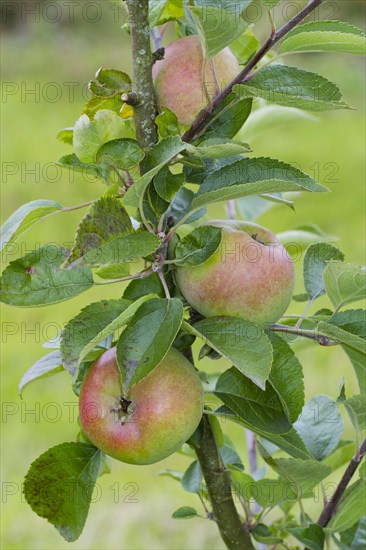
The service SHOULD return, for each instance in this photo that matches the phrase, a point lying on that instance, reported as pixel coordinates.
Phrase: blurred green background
(48, 56)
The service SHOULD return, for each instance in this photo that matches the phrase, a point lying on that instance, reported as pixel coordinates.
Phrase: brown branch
(331, 507)
(143, 89)
(233, 532)
(322, 339)
(244, 75)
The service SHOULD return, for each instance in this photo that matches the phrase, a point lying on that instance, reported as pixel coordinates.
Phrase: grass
(39, 54)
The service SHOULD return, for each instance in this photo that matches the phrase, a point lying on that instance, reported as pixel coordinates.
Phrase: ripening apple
(250, 276)
(183, 84)
(156, 417)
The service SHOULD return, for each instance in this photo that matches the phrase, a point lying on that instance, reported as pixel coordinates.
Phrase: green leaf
(356, 409)
(229, 117)
(125, 248)
(148, 338)
(353, 321)
(300, 238)
(304, 474)
(323, 36)
(344, 283)
(23, 218)
(316, 259)
(217, 25)
(294, 87)
(120, 154)
(286, 377)
(181, 205)
(147, 285)
(46, 366)
(172, 11)
(216, 148)
(37, 279)
(167, 123)
(156, 8)
(80, 330)
(167, 184)
(66, 135)
(126, 310)
(243, 343)
(252, 177)
(71, 162)
(252, 207)
(312, 537)
(60, 483)
(320, 426)
(105, 220)
(198, 246)
(162, 153)
(109, 82)
(113, 271)
(90, 135)
(262, 533)
(192, 478)
(257, 409)
(354, 538)
(343, 453)
(351, 507)
(271, 3)
(185, 512)
(245, 46)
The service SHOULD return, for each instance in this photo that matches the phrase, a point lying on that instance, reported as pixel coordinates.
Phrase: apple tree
(165, 144)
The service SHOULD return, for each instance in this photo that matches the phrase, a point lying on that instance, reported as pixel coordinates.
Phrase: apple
(250, 276)
(156, 417)
(179, 82)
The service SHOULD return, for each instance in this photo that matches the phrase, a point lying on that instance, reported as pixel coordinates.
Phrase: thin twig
(322, 339)
(190, 134)
(127, 278)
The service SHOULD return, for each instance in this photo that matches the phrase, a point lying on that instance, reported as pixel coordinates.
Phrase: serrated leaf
(125, 312)
(341, 455)
(344, 283)
(109, 82)
(316, 259)
(24, 217)
(351, 507)
(105, 220)
(80, 330)
(46, 366)
(181, 205)
(243, 343)
(312, 537)
(218, 29)
(325, 36)
(215, 148)
(353, 321)
(120, 154)
(90, 135)
(167, 184)
(113, 103)
(253, 177)
(198, 246)
(148, 338)
(320, 426)
(297, 239)
(167, 123)
(66, 135)
(192, 478)
(36, 279)
(245, 46)
(185, 512)
(294, 87)
(286, 377)
(251, 208)
(227, 119)
(125, 248)
(354, 538)
(71, 162)
(356, 409)
(146, 285)
(60, 483)
(162, 153)
(305, 474)
(271, 492)
(113, 271)
(257, 409)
